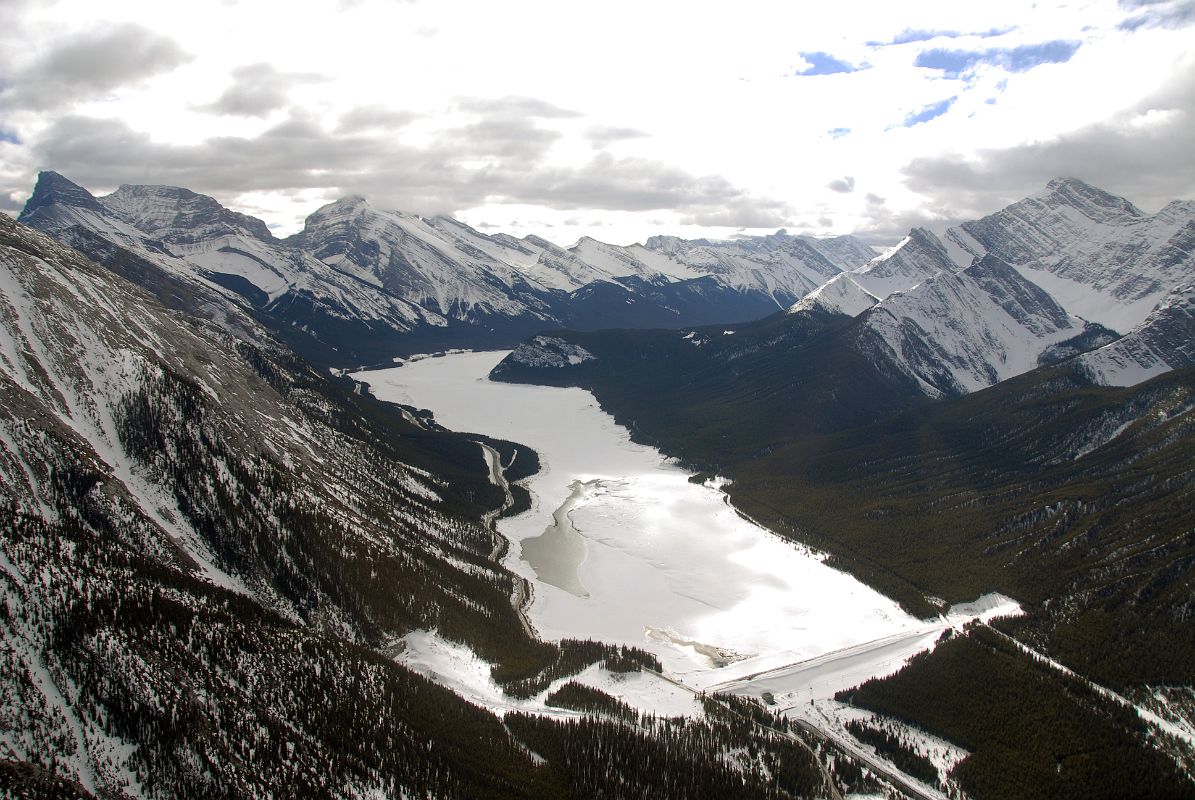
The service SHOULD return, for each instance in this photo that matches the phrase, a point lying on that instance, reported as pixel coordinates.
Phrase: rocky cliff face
(961, 331)
(1163, 342)
(180, 216)
(1101, 257)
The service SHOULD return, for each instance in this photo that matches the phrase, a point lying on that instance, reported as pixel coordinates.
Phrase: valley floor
(622, 547)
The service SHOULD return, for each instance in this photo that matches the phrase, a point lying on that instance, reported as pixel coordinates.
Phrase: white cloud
(694, 115)
(257, 90)
(84, 65)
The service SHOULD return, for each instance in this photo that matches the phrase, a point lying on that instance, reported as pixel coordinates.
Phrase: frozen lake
(621, 547)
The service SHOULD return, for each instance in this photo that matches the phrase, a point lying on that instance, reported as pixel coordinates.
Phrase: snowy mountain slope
(1101, 257)
(458, 271)
(961, 331)
(1164, 341)
(434, 266)
(841, 294)
(179, 216)
(558, 268)
(1080, 253)
(179, 419)
(778, 265)
(211, 554)
(918, 256)
(360, 284)
(234, 261)
(155, 471)
(847, 252)
(633, 261)
(953, 319)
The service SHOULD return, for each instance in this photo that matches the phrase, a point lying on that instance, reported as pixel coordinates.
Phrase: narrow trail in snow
(1147, 716)
(523, 593)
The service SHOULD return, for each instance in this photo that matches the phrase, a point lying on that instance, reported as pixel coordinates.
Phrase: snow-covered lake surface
(621, 547)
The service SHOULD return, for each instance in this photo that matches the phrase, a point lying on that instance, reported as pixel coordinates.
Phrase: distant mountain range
(1064, 273)
(360, 285)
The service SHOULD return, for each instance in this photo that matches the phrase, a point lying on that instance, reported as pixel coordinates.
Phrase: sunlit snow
(662, 563)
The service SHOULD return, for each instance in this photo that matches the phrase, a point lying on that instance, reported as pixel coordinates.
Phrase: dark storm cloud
(493, 159)
(741, 213)
(83, 66)
(633, 184)
(1150, 168)
(257, 90)
(515, 140)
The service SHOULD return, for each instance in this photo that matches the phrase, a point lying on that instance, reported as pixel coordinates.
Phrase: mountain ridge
(361, 285)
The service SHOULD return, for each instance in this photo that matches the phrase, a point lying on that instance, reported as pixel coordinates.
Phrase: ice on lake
(621, 547)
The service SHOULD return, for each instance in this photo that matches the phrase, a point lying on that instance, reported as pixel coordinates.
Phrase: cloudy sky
(615, 119)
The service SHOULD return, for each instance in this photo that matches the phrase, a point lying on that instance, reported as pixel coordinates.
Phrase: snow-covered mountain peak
(1094, 203)
(840, 295)
(630, 261)
(54, 189)
(349, 206)
(180, 216)
(918, 256)
(1177, 211)
(540, 242)
(848, 252)
(1096, 253)
(670, 245)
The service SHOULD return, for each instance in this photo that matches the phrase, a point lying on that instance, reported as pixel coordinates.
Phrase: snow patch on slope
(839, 295)
(961, 332)
(1164, 341)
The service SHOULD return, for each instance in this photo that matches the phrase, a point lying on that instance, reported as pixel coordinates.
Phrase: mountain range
(930, 319)
(214, 545)
(361, 285)
(1004, 407)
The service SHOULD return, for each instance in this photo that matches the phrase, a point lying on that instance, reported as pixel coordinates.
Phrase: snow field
(458, 668)
(666, 565)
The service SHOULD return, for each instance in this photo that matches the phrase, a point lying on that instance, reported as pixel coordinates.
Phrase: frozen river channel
(621, 547)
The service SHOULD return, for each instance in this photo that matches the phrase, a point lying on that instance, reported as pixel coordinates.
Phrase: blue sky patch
(929, 112)
(954, 63)
(9, 136)
(825, 64)
(838, 133)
